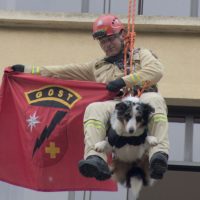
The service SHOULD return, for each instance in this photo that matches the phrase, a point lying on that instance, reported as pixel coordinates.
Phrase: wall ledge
(84, 21)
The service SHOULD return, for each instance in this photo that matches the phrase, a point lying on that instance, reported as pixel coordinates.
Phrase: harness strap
(120, 141)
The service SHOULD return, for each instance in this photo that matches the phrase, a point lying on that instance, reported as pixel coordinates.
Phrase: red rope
(130, 37)
(130, 43)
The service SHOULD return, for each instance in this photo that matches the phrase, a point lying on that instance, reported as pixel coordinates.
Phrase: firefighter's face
(112, 45)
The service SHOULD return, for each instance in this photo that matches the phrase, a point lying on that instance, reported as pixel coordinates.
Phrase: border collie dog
(129, 141)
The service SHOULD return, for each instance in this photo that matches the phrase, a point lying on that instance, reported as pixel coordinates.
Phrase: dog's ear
(122, 106)
(146, 110)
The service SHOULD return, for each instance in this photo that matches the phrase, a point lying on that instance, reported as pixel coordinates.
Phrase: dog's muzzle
(131, 130)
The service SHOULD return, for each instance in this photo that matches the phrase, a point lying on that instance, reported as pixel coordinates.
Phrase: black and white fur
(129, 142)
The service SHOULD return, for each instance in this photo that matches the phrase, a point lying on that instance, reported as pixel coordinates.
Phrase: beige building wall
(52, 39)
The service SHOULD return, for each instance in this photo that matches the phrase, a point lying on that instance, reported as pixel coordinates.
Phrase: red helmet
(106, 25)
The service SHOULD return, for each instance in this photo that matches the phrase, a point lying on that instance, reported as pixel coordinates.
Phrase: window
(121, 194)
(70, 6)
(149, 8)
(196, 141)
(184, 133)
(177, 139)
(109, 6)
(166, 8)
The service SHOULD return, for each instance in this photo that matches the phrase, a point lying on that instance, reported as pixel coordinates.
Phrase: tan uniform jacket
(147, 68)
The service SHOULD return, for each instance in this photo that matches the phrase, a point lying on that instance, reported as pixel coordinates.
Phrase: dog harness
(119, 141)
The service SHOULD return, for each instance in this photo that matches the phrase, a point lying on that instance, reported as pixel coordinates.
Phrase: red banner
(41, 136)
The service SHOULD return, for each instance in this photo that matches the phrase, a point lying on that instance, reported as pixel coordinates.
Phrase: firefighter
(110, 33)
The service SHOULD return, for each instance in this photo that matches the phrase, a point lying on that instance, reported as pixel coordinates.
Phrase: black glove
(18, 68)
(116, 85)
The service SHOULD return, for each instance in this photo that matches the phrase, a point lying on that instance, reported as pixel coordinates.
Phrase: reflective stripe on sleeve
(35, 70)
(136, 79)
(159, 118)
(94, 123)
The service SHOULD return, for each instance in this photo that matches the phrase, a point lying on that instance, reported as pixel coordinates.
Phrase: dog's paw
(100, 146)
(152, 140)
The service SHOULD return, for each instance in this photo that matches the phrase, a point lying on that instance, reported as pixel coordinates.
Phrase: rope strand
(130, 43)
(132, 34)
(130, 37)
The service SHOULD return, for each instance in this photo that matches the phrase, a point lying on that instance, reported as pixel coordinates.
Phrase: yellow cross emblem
(52, 150)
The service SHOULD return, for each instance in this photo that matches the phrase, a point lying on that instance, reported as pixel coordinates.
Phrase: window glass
(121, 194)
(3, 4)
(12, 192)
(79, 195)
(71, 6)
(96, 6)
(167, 8)
(116, 7)
(196, 142)
(199, 10)
(177, 141)
(119, 7)
(42, 5)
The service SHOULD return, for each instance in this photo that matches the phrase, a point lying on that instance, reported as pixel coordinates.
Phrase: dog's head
(133, 115)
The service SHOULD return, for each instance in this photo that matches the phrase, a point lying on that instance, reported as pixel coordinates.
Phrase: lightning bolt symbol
(48, 130)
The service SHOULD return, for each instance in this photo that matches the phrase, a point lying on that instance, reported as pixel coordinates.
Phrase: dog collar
(119, 141)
